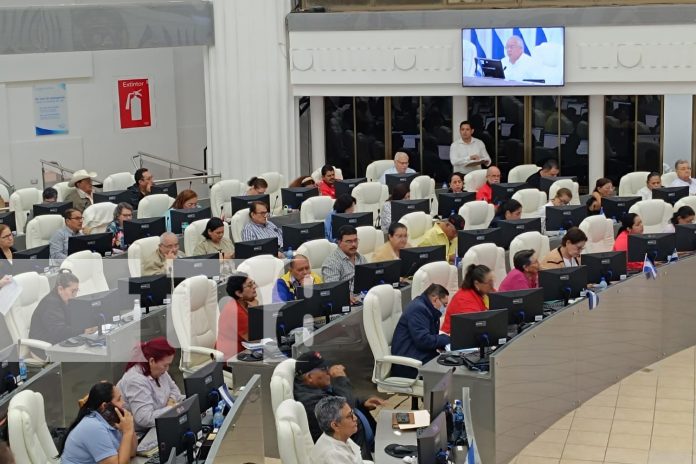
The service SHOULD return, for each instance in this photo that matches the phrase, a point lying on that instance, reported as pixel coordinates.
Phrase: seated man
(400, 167)
(549, 169)
(142, 186)
(338, 422)
(49, 195)
(315, 379)
(298, 275)
(444, 233)
(417, 334)
(156, 263)
(327, 184)
(58, 248)
(81, 197)
(485, 192)
(684, 179)
(340, 264)
(260, 227)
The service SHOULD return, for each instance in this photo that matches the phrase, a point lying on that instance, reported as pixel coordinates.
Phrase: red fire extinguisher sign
(134, 103)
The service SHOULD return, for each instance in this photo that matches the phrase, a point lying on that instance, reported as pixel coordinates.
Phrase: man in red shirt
(327, 184)
(485, 193)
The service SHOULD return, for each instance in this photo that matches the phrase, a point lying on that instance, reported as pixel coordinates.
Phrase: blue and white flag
(673, 257)
(649, 268)
(592, 299)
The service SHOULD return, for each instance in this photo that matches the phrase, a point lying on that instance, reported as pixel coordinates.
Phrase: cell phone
(109, 414)
(402, 418)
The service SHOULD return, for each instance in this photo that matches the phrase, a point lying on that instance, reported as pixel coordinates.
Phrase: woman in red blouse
(233, 324)
(473, 296)
(631, 224)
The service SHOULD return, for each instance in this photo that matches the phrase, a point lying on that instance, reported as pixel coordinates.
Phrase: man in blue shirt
(400, 167)
(300, 274)
(59, 241)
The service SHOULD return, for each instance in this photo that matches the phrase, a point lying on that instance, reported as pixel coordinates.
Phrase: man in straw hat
(81, 197)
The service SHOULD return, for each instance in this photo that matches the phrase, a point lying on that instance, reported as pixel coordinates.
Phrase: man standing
(142, 186)
(339, 266)
(59, 241)
(400, 167)
(468, 153)
(485, 192)
(517, 65)
(444, 233)
(327, 184)
(299, 275)
(684, 179)
(549, 169)
(81, 197)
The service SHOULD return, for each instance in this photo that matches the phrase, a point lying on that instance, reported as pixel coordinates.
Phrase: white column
(677, 128)
(317, 131)
(252, 115)
(596, 142)
(460, 112)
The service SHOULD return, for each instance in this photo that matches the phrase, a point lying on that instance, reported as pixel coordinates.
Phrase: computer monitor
(372, 274)
(59, 208)
(243, 201)
(187, 215)
(179, 428)
(400, 208)
(95, 309)
(469, 238)
(189, 266)
(432, 440)
(293, 197)
(251, 248)
(205, 383)
(616, 207)
(97, 243)
(151, 290)
(439, 396)
(135, 229)
(168, 188)
(9, 369)
(564, 217)
(512, 228)
(523, 306)
(331, 298)
(657, 246)
(8, 218)
(670, 194)
(295, 235)
(545, 182)
(480, 330)
(280, 319)
(114, 196)
(31, 260)
(610, 265)
(564, 283)
(413, 258)
(346, 186)
(449, 203)
(504, 191)
(393, 180)
(351, 219)
(685, 236)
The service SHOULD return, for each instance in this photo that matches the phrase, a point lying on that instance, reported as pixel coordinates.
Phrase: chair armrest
(401, 360)
(31, 343)
(214, 354)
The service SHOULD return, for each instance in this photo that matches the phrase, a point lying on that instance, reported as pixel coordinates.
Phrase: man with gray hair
(156, 263)
(684, 179)
(517, 65)
(400, 166)
(338, 422)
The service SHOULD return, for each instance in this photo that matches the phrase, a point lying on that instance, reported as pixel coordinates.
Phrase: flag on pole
(649, 268)
(673, 257)
(592, 299)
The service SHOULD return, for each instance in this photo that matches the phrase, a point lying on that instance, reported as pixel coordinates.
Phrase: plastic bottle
(603, 283)
(218, 418)
(601, 211)
(289, 253)
(444, 185)
(184, 225)
(137, 310)
(308, 323)
(458, 418)
(22, 370)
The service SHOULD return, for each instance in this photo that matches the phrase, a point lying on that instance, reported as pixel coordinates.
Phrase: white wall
(676, 142)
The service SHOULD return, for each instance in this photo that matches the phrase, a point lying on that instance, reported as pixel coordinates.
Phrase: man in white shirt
(400, 167)
(468, 153)
(684, 179)
(338, 422)
(517, 66)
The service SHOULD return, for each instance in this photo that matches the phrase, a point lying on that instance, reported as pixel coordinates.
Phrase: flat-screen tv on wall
(513, 56)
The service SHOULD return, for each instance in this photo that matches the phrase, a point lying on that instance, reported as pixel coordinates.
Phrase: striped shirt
(254, 231)
(338, 267)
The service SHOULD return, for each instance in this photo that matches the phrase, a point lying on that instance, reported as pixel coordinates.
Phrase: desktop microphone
(190, 185)
(275, 202)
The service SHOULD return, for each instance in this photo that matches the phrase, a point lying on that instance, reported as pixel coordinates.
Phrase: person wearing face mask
(299, 274)
(568, 254)
(397, 240)
(417, 334)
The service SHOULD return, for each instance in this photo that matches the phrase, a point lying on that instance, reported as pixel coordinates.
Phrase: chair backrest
(194, 314)
(21, 202)
(237, 223)
(600, 234)
(667, 178)
(154, 205)
(531, 199)
(18, 319)
(440, 272)
(30, 438)
(686, 201)
(375, 169)
(369, 239)
(474, 180)
(570, 185)
(488, 254)
(265, 270)
(221, 193)
(138, 250)
(98, 216)
(423, 187)
(522, 172)
(317, 251)
(632, 182)
(654, 213)
(294, 440)
(529, 241)
(417, 224)
(370, 196)
(477, 214)
(193, 235)
(282, 383)
(88, 267)
(63, 190)
(315, 209)
(118, 181)
(4, 193)
(316, 174)
(41, 228)
(275, 181)
(381, 313)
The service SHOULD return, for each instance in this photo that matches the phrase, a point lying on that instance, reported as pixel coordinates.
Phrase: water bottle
(444, 185)
(308, 323)
(22, 370)
(218, 418)
(288, 253)
(137, 310)
(184, 225)
(458, 418)
(603, 283)
(601, 211)
(453, 212)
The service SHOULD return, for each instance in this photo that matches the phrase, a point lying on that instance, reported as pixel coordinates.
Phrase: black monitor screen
(251, 248)
(295, 235)
(168, 188)
(449, 203)
(413, 258)
(136, 229)
(400, 208)
(373, 274)
(564, 217)
(279, 320)
(609, 265)
(657, 247)
(670, 194)
(546, 182)
(187, 216)
(326, 300)
(294, 196)
(504, 191)
(205, 383)
(346, 186)
(190, 266)
(243, 202)
(479, 330)
(685, 237)
(350, 219)
(114, 196)
(179, 428)
(514, 227)
(616, 207)
(440, 395)
(31, 260)
(9, 369)
(432, 440)
(8, 218)
(564, 283)
(151, 290)
(469, 238)
(42, 209)
(395, 179)
(96, 243)
(95, 309)
(522, 305)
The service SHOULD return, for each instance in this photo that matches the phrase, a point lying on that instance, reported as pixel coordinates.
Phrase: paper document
(257, 345)
(148, 444)
(420, 419)
(8, 295)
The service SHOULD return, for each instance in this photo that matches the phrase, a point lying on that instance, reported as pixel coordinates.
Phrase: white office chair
(529, 241)
(316, 252)
(423, 187)
(88, 267)
(488, 254)
(237, 223)
(381, 313)
(63, 190)
(570, 185)
(30, 439)
(221, 194)
(417, 224)
(41, 229)
(441, 273)
(98, 216)
(315, 209)
(194, 313)
(375, 169)
(138, 250)
(316, 174)
(18, 319)
(275, 181)
(686, 201)
(154, 205)
(4, 193)
(474, 180)
(632, 182)
(477, 214)
(264, 270)
(369, 239)
(282, 383)
(667, 178)
(531, 199)
(193, 235)
(522, 172)
(654, 213)
(370, 196)
(22, 202)
(294, 439)
(118, 181)
(600, 234)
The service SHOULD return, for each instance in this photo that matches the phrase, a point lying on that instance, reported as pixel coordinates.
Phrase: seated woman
(684, 215)
(148, 389)
(215, 241)
(511, 209)
(568, 254)
(456, 183)
(343, 204)
(652, 182)
(525, 274)
(472, 297)
(303, 181)
(257, 186)
(603, 188)
(397, 240)
(6, 250)
(233, 323)
(103, 431)
(186, 199)
(123, 212)
(399, 192)
(631, 224)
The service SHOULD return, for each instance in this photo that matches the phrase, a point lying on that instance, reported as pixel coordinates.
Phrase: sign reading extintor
(134, 103)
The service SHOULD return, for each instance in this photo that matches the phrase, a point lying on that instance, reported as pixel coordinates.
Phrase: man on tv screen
(517, 65)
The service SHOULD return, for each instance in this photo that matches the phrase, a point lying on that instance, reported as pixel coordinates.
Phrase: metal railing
(8, 184)
(143, 156)
(55, 167)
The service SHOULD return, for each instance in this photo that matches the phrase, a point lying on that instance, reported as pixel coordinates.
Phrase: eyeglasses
(262, 213)
(351, 415)
(7, 236)
(251, 284)
(77, 218)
